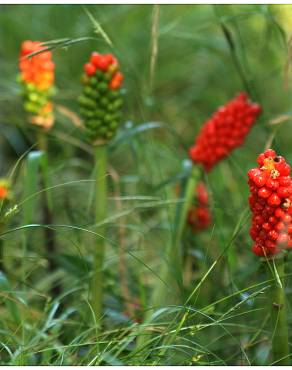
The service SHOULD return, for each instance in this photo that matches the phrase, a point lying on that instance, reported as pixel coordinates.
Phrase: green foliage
(205, 54)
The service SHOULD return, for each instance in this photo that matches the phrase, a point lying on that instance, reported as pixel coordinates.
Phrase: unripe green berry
(93, 81)
(102, 87)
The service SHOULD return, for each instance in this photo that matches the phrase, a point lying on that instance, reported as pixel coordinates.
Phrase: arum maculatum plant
(218, 137)
(100, 106)
(101, 101)
(271, 230)
(36, 77)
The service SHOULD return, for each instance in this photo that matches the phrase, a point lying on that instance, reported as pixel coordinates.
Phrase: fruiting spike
(100, 102)
(270, 203)
(224, 131)
(37, 80)
(199, 216)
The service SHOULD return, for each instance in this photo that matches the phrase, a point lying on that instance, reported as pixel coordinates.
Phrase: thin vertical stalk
(100, 215)
(47, 217)
(42, 140)
(278, 305)
(172, 270)
(122, 265)
(182, 212)
(2, 264)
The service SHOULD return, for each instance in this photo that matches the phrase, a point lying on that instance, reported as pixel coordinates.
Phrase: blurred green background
(205, 55)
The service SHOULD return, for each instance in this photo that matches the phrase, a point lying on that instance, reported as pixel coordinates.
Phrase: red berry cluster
(199, 216)
(105, 63)
(224, 131)
(271, 204)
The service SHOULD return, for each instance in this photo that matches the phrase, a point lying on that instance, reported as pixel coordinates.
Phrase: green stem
(2, 264)
(47, 215)
(172, 269)
(42, 140)
(173, 273)
(181, 217)
(100, 215)
(280, 347)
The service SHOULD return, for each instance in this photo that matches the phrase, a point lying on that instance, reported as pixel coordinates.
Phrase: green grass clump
(180, 63)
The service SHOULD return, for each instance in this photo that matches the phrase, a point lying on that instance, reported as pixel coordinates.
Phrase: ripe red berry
(261, 159)
(274, 200)
(270, 153)
(89, 69)
(266, 226)
(272, 184)
(116, 81)
(284, 191)
(102, 63)
(94, 58)
(286, 219)
(280, 226)
(264, 193)
(279, 213)
(273, 234)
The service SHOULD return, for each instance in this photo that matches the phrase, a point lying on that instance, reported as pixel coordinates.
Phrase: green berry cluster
(36, 100)
(100, 106)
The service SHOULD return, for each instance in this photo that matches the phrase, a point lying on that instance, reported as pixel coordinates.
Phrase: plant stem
(42, 140)
(100, 215)
(172, 268)
(181, 215)
(47, 216)
(2, 265)
(280, 346)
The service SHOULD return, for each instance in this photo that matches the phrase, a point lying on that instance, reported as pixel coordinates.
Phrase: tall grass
(196, 57)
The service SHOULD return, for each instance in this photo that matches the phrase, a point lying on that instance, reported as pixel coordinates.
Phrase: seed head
(224, 131)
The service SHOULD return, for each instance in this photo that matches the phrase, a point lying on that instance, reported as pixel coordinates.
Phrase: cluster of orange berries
(199, 216)
(101, 101)
(4, 189)
(271, 204)
(224, 131)
(37, 81)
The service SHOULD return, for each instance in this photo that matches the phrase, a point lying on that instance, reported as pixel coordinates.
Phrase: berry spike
(224, 131)
(4, 189)
(199, 216)
(271, 204)
(37, 83)
(100, 102)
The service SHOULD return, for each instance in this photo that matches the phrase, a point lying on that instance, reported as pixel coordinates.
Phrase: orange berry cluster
(224, 131)
(4, 189)
(199, 216)
(37, 81)
(101, 102)
(271, 204)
